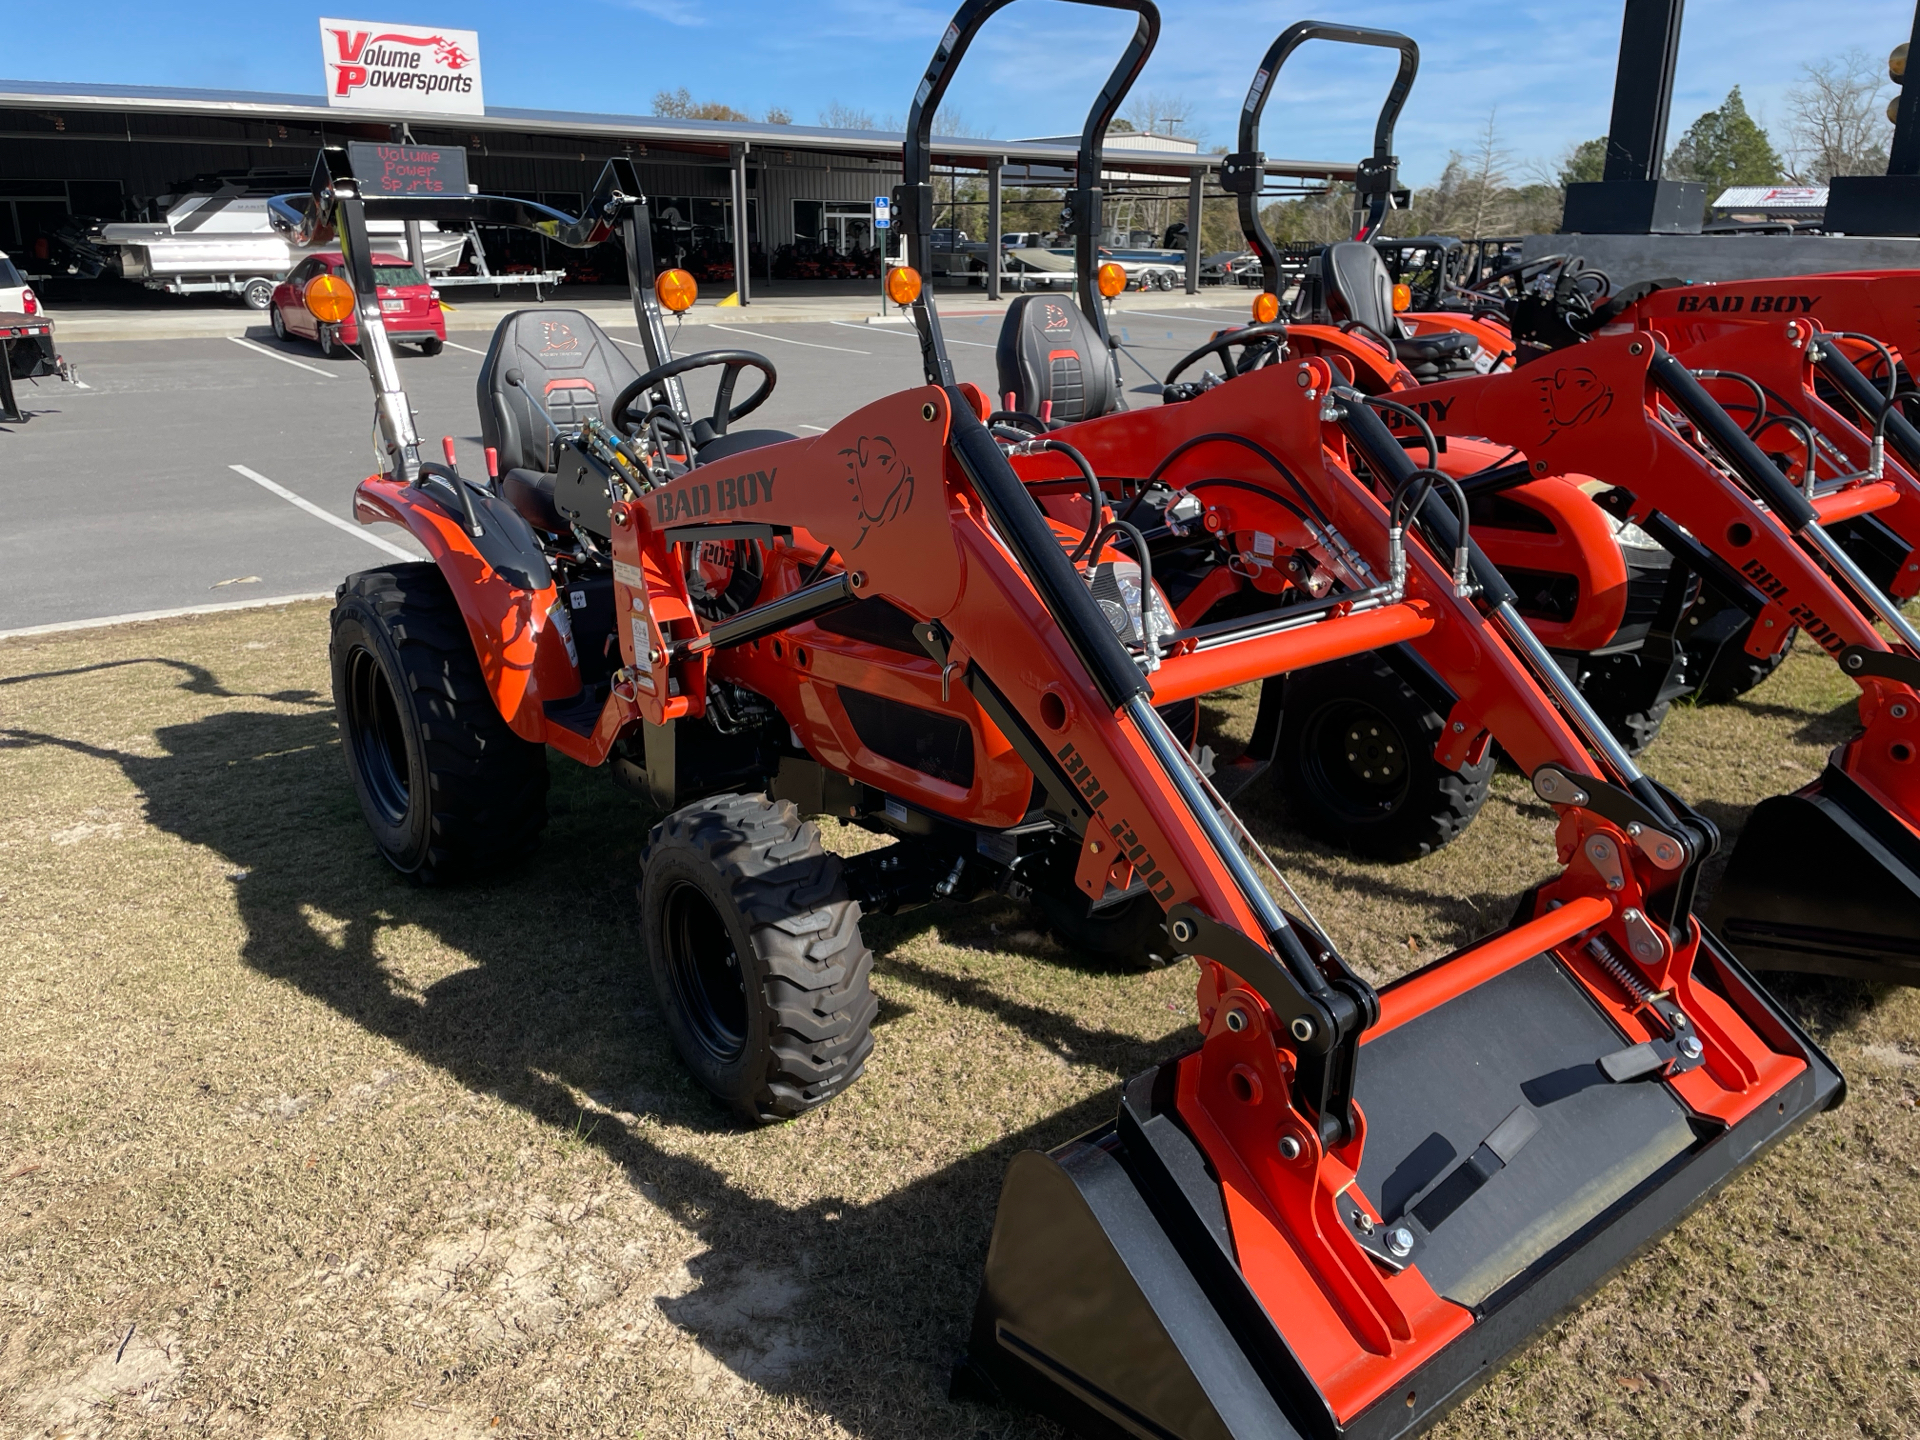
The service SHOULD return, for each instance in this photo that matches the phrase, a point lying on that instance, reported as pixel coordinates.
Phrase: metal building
(72, 150)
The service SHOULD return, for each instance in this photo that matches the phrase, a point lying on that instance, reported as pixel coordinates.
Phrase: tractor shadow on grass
(858, 1309)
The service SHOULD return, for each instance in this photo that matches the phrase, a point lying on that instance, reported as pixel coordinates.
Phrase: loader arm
(1598, 407)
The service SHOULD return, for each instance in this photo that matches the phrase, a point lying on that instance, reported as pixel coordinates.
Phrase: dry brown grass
(289, 1148)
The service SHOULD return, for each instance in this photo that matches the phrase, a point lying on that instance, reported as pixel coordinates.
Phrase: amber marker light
(676, 290)
(903, 284)
(1402, 298)
(1111, 279)
(1266, 308)
(328, 298)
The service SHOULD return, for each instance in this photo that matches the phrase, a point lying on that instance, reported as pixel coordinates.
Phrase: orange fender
(523, 638)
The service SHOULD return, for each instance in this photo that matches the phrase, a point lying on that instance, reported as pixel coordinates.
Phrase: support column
(416, 252)
(1196, 198)
(742, 247)
(994, 165)
(1643, 89)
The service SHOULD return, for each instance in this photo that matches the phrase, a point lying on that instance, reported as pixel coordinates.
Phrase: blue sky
(1546, 68)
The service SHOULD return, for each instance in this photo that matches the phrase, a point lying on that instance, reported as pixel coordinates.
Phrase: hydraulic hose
(1749, 461)
(1027, 535)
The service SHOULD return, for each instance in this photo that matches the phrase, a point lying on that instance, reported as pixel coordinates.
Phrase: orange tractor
(1343, 1205)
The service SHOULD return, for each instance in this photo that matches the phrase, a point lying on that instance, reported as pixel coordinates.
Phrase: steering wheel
(725, 412)
(1268, 338)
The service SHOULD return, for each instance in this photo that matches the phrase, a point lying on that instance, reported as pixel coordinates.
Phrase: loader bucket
(1826, 882)
(1118, 1294)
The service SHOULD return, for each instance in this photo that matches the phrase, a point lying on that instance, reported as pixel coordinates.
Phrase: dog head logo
(878, 482)
(1572, 395)
(557, 335)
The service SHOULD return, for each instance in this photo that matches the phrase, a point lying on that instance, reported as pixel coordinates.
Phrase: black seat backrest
(1050, 352)
(1358, 286)
(566, 360)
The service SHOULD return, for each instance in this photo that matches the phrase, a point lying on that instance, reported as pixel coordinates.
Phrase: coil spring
(1603, 955)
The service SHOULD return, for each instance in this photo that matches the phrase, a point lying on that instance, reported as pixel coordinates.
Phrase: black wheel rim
(703, 966)
(378, 738)
(1356, 762)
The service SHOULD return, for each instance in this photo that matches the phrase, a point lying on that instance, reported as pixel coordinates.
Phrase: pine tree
(1585, 162)
(1725, 147)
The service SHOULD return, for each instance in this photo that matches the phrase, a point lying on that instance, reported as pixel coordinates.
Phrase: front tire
(755, 952)
(1129, 935)
(1357, 767)
(279, 324)
(447, 789)
(257, 293)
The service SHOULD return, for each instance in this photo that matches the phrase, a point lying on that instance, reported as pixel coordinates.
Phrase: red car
(411, 309)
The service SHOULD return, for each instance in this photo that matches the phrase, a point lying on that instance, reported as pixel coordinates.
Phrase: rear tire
(432, 346)
(755, 952)
(327, 343)
(257, 293)
(1356, 763)
(447, 789)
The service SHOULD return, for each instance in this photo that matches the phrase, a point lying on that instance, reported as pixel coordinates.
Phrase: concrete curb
(180, 612)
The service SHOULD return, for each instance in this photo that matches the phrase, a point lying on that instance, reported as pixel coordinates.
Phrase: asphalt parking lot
(195, 472)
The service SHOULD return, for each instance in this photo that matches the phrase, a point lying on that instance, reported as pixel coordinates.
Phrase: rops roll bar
(913, 198)
(1244, 173)
(335, 209)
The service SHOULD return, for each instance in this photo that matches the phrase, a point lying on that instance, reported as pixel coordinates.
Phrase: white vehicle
(30, 353)
(16, 296)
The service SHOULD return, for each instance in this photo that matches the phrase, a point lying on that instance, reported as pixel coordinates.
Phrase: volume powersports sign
(375, 66)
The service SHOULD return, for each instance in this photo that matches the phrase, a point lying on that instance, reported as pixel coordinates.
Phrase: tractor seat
(1437, 355)
(567, 361)
(1357, 286)
(1050, 354)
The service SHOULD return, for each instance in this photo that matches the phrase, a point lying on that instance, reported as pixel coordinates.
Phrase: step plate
(1433, 1088)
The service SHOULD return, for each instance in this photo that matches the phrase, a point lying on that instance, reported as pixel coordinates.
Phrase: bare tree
(1486, 181)
(1838, 120)
(679, 105)
(1158, 113)
(846, 117)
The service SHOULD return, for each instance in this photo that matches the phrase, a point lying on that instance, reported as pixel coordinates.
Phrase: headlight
(1631, 537)
(1116, 587)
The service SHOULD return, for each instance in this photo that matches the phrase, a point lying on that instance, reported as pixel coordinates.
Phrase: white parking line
(468, 348)
(359, 532)
(811, 345)
(1156, 315)
(283, 359)
(913, 335)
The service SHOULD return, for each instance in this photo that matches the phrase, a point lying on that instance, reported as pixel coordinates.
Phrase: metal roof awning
(1022, 161)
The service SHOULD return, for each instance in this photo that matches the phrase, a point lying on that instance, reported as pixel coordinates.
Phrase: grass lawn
(291, 1148)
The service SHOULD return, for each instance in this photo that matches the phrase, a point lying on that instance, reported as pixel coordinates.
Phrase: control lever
(519, 382)
(460, 486)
